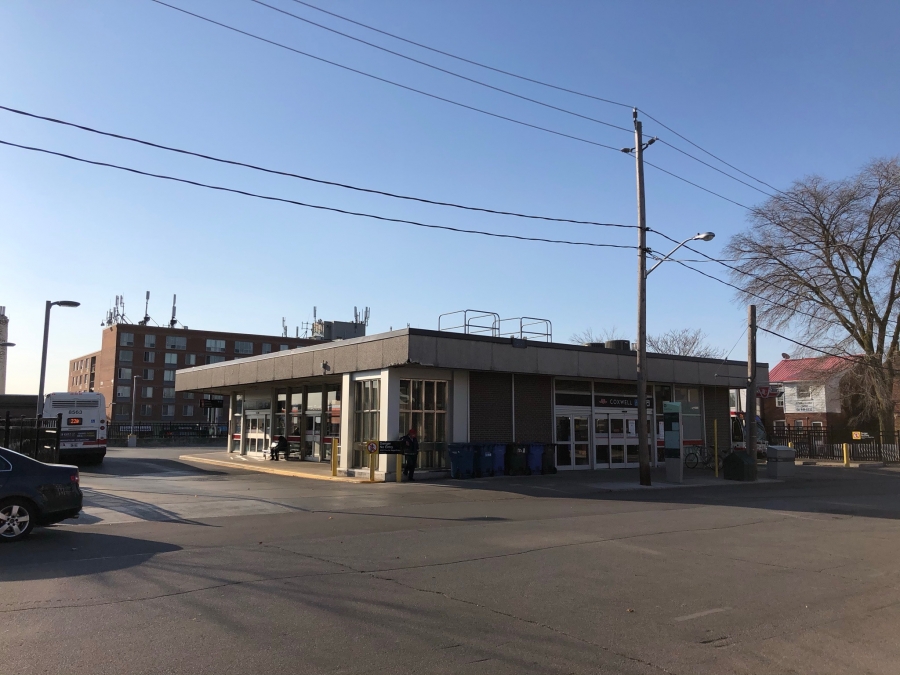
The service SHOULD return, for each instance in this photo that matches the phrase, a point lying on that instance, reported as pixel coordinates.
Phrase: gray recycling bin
(780, 462)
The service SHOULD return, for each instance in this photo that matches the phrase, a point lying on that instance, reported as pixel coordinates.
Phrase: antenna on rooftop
(173, 322)
(146, 320)
(283, 327)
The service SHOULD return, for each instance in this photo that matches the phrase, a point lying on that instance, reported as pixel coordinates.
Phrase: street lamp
(702, 236)
(61, 303)
(132, 437)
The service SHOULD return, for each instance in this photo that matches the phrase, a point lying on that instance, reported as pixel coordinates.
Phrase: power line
(443, 70)
(305, 178)
(714, 168)
(821, 351)
(440, 98)
(311, 206)
(385, 80)
(465, 60)
(545, 84)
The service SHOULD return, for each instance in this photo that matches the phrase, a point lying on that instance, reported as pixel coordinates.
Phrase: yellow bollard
(399, 468)
(716, 446)
(334, 456)
(847, 455)
(372, 456)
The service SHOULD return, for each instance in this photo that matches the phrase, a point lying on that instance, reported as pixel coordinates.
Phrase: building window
(214, 359)
(266, 348)
(188, 411)
(168, 392)
(168, 376)
(126, 339)
(366, 415)
(148, 374)
(150, 341)
(283, 348)
(241, 347)
(149, 357)
(171, 359)
(215, 345)
(123, 392)
(176, 342)
(126, 355)
(780, 425)
(423, 407)
(798, 424)
(816, 425)
(168, 411)
(804, 392)
(190, 359)
(188, 395)
(123, 410)
(779, 400)
(124, 374)
(146, 410)
(146, 392)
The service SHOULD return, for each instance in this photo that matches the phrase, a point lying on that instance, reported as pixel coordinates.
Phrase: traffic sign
(372, 447)
(762, 392)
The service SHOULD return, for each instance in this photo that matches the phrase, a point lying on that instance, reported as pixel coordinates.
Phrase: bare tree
(825, 256)
(588, 336)
(684, 342)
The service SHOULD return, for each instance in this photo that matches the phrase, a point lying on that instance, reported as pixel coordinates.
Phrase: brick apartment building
(154, 353)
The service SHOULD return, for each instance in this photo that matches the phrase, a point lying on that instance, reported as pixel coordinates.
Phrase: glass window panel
(429, 395)
(314, 401)
(563, 455)
(418, 423)
(563, 432)
(440, 428)
(405, 418)
(417, 394)
(617, 454)
(441, 402)
(631, 427)
(428, 436)
(602, 456)
(581, 454)
(692, 426)
(601, 425)
(616, 426)
(582, 429)
(376, 395)
(631, 453)
(404, 395)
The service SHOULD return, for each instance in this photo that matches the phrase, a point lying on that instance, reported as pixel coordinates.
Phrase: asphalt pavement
(189, 568)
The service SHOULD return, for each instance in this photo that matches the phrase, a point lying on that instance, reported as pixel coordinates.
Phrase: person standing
(410, 453)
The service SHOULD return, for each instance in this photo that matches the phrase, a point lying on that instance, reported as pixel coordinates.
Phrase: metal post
(846, 454)
(716, 446)
(334, 456)
(6, 431)
(58, 434)
(40, 400)
(398, 467)
(372, 456)
(750, 415)
(643, 449)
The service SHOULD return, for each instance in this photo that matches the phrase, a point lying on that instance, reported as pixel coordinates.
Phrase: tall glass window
(366, 412)
(423, 407)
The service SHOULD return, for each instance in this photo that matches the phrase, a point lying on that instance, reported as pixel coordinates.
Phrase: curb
(265, 469)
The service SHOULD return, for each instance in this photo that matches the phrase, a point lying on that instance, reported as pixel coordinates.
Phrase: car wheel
(16, 519)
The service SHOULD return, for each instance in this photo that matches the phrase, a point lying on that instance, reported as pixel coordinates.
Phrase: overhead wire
(312, 206)
(441, 98)
(551, 86)
(311, 179)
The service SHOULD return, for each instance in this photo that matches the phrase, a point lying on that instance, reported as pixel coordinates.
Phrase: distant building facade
(154, 354)
(809, 393)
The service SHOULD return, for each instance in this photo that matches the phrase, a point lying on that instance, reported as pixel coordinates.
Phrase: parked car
(33, 494)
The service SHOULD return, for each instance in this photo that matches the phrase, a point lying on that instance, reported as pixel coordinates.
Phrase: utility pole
(750, 414)
(643, 437)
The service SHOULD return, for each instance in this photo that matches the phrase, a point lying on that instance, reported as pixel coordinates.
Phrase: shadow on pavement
(61, 552)
(149, 466)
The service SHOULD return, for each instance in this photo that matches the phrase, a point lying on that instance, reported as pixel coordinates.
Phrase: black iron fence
(35, 437)
(814, 443)
(120, 431)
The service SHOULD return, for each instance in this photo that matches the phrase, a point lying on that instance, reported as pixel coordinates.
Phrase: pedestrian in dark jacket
(410, 453)
(280, 447)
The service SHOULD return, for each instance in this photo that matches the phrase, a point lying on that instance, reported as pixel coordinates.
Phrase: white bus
(83, 433)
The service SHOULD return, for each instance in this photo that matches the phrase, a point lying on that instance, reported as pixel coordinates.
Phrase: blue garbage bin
(499, 459)
(461, 460)
(535, 458)
(483, 460)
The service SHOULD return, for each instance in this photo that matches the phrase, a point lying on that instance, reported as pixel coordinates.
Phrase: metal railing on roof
(481, 322)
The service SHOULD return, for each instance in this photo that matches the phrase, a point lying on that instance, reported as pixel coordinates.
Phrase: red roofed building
(809, 393)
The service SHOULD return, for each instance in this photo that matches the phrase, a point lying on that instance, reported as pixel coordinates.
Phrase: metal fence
(119, 431)
(35, 437)
(811, 443)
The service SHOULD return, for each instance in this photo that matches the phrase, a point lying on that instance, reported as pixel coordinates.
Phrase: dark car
(33, 493)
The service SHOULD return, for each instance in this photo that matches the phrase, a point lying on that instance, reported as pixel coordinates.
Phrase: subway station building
(456, 387)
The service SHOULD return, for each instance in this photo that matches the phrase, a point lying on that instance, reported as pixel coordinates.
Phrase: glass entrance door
(615, 440)
(573, 441)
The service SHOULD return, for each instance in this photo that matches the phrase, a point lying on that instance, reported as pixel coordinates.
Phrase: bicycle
(704, 456)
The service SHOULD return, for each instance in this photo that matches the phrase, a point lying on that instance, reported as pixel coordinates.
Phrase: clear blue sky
(779, 89)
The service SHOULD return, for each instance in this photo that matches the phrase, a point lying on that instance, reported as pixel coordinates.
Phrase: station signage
(391, 447)
(601, 401)
(211, 403)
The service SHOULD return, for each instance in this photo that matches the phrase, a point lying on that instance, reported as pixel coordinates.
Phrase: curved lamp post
(61, 303)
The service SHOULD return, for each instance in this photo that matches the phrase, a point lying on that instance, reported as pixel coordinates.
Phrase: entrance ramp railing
(474, 322)
(527, 328)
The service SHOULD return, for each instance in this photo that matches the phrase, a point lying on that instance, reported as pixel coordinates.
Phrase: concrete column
(389, 418)
(459, 407)
(229, 444)
(273, 409)
(347, 406)
(304, 400)
(242, 443)
(324, 407)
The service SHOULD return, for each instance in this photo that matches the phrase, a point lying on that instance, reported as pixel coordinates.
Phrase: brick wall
(715, 405)
(490, 407)
(534, 416)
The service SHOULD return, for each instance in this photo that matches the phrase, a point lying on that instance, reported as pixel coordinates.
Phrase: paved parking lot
(179, 568)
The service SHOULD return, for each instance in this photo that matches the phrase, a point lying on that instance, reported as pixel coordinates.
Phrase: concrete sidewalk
(295, 469)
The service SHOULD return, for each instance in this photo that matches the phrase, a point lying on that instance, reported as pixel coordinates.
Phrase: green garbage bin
(739, 466)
